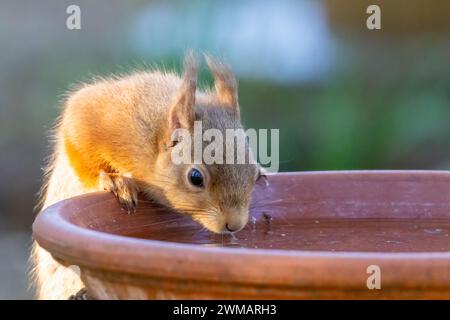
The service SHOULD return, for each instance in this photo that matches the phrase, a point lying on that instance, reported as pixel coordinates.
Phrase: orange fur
(114, 134)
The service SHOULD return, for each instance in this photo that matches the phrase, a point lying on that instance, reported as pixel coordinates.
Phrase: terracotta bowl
(310, 235)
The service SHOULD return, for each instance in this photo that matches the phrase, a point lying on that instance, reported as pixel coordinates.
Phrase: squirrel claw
(263, 176)
(129, 206)
(123, 187)
(266, 180)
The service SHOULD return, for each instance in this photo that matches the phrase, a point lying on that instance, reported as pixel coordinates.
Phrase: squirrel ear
(181, 114)
(225, 84)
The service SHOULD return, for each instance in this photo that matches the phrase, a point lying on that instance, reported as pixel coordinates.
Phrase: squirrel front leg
(124, 188)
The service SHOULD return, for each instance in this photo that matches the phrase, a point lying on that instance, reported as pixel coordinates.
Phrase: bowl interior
(356, 212)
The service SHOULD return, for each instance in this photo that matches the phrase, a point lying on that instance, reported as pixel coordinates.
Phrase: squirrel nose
(234, 226)
(227, 226)
(235, 220)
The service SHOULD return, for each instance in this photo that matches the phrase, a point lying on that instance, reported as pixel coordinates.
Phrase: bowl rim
(92, 249)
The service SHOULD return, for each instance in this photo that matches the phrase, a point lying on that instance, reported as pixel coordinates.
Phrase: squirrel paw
(123, 187)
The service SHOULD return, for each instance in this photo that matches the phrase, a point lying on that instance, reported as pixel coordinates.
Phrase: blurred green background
(343, 96)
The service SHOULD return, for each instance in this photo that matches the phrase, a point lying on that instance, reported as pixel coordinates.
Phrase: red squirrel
(116, 134)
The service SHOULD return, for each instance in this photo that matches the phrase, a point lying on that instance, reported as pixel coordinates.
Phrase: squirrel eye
(196, 178)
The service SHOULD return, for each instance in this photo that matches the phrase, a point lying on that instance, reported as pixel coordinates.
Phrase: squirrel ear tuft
(225, 84)
(181, 114)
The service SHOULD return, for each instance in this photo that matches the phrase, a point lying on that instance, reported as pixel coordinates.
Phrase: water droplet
(433, 231)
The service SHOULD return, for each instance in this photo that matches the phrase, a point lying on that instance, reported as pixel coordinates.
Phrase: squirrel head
(216, 194)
